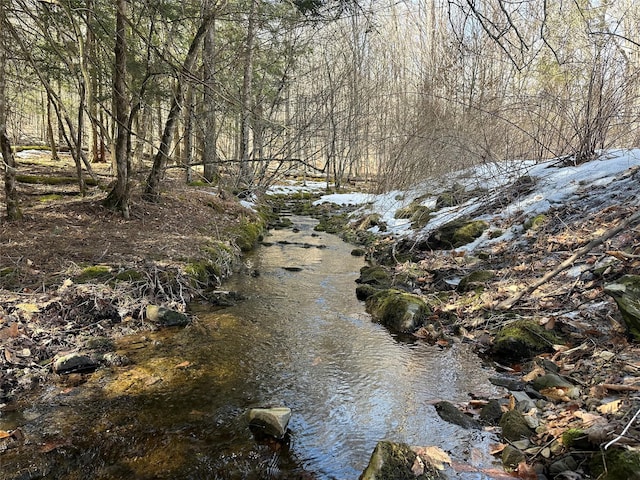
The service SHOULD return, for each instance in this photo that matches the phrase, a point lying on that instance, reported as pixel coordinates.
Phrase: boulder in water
(270, 422)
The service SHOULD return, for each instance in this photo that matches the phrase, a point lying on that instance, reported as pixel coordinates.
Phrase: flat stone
(165, 317)
(73, 363)
(270, 421)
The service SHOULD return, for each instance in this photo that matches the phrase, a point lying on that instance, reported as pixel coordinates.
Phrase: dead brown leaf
(588, 419)
(526, 471)
(610, 407)
(9, 332)
(496, 448)
(435, 456)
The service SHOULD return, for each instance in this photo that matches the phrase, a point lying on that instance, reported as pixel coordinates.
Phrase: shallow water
(300, 339)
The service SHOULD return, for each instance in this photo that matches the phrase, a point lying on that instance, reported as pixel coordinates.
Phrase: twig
(623, 431)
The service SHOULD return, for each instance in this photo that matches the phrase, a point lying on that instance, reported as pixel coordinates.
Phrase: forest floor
(72, 269)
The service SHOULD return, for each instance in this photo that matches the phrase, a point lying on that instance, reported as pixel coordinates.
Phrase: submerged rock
(626, 292)
(73, 363)
(270, 422)
(165, 317)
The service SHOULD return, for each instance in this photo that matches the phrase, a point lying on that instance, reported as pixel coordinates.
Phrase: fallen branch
(510, 302)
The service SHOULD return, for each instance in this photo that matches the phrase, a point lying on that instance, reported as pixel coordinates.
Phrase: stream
(300, 339)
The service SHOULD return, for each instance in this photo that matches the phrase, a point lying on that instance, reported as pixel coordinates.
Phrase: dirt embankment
(73, 274)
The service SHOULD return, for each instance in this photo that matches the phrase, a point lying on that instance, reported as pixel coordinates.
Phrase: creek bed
(300, 339)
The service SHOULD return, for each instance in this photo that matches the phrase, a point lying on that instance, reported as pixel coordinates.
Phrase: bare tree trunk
(11, 194)
(187, 150)
(209, 151)
(246, 172)
(50, 137)
(119, 197)
(152, 189)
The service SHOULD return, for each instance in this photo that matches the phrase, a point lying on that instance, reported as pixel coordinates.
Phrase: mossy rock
(511, 457)
(576, 438)
(626, 292)
(469, 232)
(535, 223)
(522, 339)
(514, 426)
(248, 233)
(332, 223)
(448, 199)
(475, 280)
(616, 464)
(375, 275)
(420, 217)
(393, 461)
(94, 273)
(365, 291)
(358, 252)
(454, 234)
(398, 311)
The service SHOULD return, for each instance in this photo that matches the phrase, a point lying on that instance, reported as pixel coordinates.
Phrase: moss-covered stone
(358, 252)
(514, 426)
(365, 291)
(576, 438)
(469, 232)
(332, 223)
(248, 233)
(94, 273)
(522, 339)
(398, 311)
(535, 223)
(626, 292)
(454, 234)
(616, 464)
(511, 457)
(475, 280)
(393, 461)
(375, 275)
